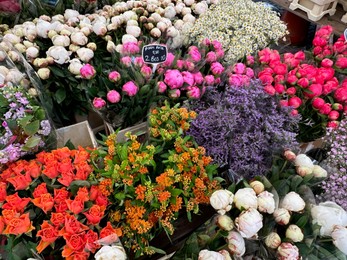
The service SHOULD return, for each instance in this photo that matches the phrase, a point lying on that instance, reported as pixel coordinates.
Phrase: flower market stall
(204, 133)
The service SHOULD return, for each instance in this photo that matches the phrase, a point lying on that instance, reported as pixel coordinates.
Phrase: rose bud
(282, 216)
(249, 222)
(273, 240)
(287, 251)
(236, 243)
(257, 186)
(319, 172)
(303, 160)
(339, 236)
(245, 198)
(289, 155)
(293, 202)
(294, 233)
(221, 200)
(207, 255)
(225, 222)
(266, 202)
(44, 73)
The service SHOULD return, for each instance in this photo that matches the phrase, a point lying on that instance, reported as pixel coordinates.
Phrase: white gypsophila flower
(85, 54)
(59, 54)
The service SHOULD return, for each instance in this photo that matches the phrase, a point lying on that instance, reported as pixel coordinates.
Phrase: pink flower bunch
(240, 75)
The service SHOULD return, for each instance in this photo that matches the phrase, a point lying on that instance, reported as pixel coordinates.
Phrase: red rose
(81, 155)
(18, 226)
(21, 181)
(317, 103)
(65, 166)
(74, 243)
(44, 202)
(3, 193)
(294, 102)
(83, 170)
(91, 238)
(314, 90)
(15, 202)
(60, 194)
(34, 169)
(40, 189)
(58, 219)
(79, 255)
(48, 234)
(75, 206)
(94, 214)
(51, 170)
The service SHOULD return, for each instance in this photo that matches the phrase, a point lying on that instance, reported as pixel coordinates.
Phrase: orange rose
(82, 255)
(72, 226)
(65, 166)
(19, 225)
(66, 178)
(62, 153)
(40, 189)
(21, 181)
(44, 202)
(101, 200)
(82, 194)
(61, 207)
(2, 224)
(60, 194)
(51, 170)
(93, 192)
(48, 235)
(3, 193)
(81, 155)
(15, 202)
(91, 238)
(75, 206)
(74, 243)
(83, 170)
(34, 169)
(110, 232)
(58, 219)
(9, 214)
(94, 214)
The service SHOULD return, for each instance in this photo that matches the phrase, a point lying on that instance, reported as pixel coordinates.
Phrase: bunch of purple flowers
(242, 127)
(24, 127)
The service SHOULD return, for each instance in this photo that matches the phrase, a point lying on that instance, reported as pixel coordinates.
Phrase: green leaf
(32, 128)
(157, 250)
(57, 72)
(124, 153)
(75, 185)
(302, 221)
(31, 143)
(60, 95)
(119, 196)
(176, 192)
(296, 181)
(25, 120)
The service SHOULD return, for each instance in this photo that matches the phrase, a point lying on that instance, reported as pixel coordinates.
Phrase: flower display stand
(315, 9)
(79, 134)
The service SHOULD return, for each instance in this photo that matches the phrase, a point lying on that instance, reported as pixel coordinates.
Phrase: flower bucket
(315, 9)
(79, 134)
(306, 147)
(139, 129)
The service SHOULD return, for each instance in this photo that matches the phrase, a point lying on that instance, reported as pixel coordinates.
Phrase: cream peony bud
(339, 236)
(133, 30)
(59, 54)
(303, 160)
(294, 233)
(327, 215)
(179, 24)
(210, 255)
(28, 44)
(32, 92)
(266, 202)
(189, 2)
(92, 46)
(162, 26)
(43, 27)
(99, 28)
(132, 23)
(79, 38)
(156, 17)
(14, 56)
(20, 47)
(4, 71)
(236, 243)
(257, 186)
(74, 47)
(14, 76)
(249, 222)
(65, 32)
(282, 216)
(303, 171)
(86, 31)
(225, 222)
(32, 53)
(293, 202)
(11, 38)
(61, 40)
(107, 38)
(172, 32)
(111, 47)
(111, 252)
(40, 62)
(170, 12)
(287, 251)
(155, 32)
(289, 155)
(75, 66)
(200, 8)
(245, 198)
(188, 18)
(52, 33)
(44, 73)
(273, 240)
(221, 200)
(186, 10)
(128, 38)
(69, 13)
(85, 54)
(225, 254)
(319, 172)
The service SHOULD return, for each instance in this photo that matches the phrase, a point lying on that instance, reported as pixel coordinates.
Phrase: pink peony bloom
(130, 48)
(318, 41)
(174, 93)
(188, 78)
(217, 68)
(138, 61)
(327, 63)
(146, 71)
(333, 124)
(303, 82)
(211, 57)
(341, 63)
(161, 87)
(294, 112)
(279, 88)
(284, 103)
(325, 109)
(113, 96)
(341, 94)
(205, 42)
(198, 78)
(126, 61)
(280, 69)
(180, 64)
(169, 60)
(99, 103)
(87, 71)
(9, 6)
(209, 79)
(291, 91)
(239, 68)
(189, 65)
(295, 102)
(249, 72)
(114, 76)
(250, 60)
(220, 53)
(193, 92)
(235, 80)
(300, 55)
(317, 103)
(333, 115)
(315, 90)
(174, 79)
(194, 53)
(266, 78)
(217, 45)
(130, 88)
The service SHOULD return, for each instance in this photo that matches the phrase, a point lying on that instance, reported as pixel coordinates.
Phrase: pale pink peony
(113, 96)
(174, 79)
(287, 251)
(146, 71)
(130, 48)
(138, 61)
(126, 61)
(87, 71)
(114, 76)
(130, 88)
(161, 87)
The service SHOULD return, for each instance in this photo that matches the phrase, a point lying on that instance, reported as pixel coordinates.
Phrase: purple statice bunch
(242, 128)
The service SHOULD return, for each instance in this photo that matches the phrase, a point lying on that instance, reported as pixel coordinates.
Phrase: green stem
(283, 166)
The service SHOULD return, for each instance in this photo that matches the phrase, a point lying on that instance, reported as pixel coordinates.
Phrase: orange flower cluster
(71, 216)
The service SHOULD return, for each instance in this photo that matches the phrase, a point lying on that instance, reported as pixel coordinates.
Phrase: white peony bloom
(14, 56)
(79, 38)
(249, 222)
(170, 12)
(43, 27)
(188, 18)
(20, 47)
(75, 66)
(273, 240)
(200, 8)
(282, 216)
(32, 53)
(339, 236)
(186, 10)
(287, 251)
(58, 17)
(221, 200)
(179, 7)
(210, 255)
(59, 54)
(266, 202)
(85, 54)
(2, 55)
(111, 252)
(61, 40)
(189, 2)
(303, 160)
(179, 24)
(162, 26)
(236, 243)
(319, 172)
(111, 47)
(128, 38)
(132, 23)
(133, 30)
(99, 28)
(327, 215)
(293, 202)
(129, 15)
(155, 32)
(294, 233)
(69, 13)
(245, 198)
(172, 32)
(14, 76)
(44, 73)
(29, 31)
(11, 38)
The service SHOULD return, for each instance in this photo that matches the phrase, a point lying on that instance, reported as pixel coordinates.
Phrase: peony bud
(111, 252)
(130, 88)
(79, 38)
(221, 200)
(114, 76)
(293, 202)
(225, 254)
(287, 251)
(209, 255)
(99, 103)
(289, 155)
(2, 56)
(32, 92)
(44, 73)
(113, 96)
(273, 240)
(87, 71)
(257, 186)
(303, 171)
(225, 222)
(339, 236)
(236, 243)
(75, 66)
(303, 160)
(92, 46)
(282, 216)
(319, 172)
(85, 54)
(266, 202)
(32, 53)
(294, 233)
(111, 47)
(249, 222)
(155, 32)
(245, 198)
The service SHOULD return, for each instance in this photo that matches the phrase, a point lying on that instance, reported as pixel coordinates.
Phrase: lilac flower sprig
(24, 126)
(241, 128)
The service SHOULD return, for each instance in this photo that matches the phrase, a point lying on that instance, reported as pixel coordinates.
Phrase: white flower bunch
(242, 27)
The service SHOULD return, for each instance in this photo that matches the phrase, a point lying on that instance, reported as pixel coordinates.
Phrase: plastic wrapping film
(26, 126)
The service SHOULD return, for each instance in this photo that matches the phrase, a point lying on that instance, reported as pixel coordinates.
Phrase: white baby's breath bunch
(242, 26)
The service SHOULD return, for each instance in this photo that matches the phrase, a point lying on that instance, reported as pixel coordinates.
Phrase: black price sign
(154, 53)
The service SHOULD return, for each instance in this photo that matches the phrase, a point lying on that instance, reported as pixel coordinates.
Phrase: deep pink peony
(180, 64)
(169, 60)
(284, 103)
(318, 41)
(130, 88)
(330, 86)
(217, 45)
(341, 63)
(194, 53)
(333, 115)
(114, 76)
(341, 94)
(303, 82)
(188, 78)
(249, 72)
(315, 90)
(300, 55)
(292, 79)
(279, 88)
(249, 60)
(217, 68)
(266, 78)
(333, 124)
(188, 65)
(193, 92)
(198, 78)
(174, 79)
(280, 69)
(235, 80)
(325, 109)
(270, 90)
(99, 103)
(9, 6)
(291, 91)
(239, 68)
(87, 71)
(295, 102)
(113, 96)
(327, 63)
(317, 103)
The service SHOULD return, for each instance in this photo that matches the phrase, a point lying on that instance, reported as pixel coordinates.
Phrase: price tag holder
(154, 53)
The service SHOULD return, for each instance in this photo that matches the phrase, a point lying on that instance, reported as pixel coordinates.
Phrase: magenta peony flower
(327, 63)
(315, 90)
(174, 79)
(146, 71)
(188, 78)
(294, 102)
(130, 88)
(99, 103)
(194, 53)
(270, 90)
(87, 71)
(216, 45)
(193, 92)
(198, 78)
(235, 80)
(180, 64)
(317, 103)
(114, 76)
(333, 115)
(169, 60)
(211, 57)
(239, 68)
(9, 6)
(209, 79)
(341, 63)
(325, 109)
(138, 61)
(217, 68)
(113, 96)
